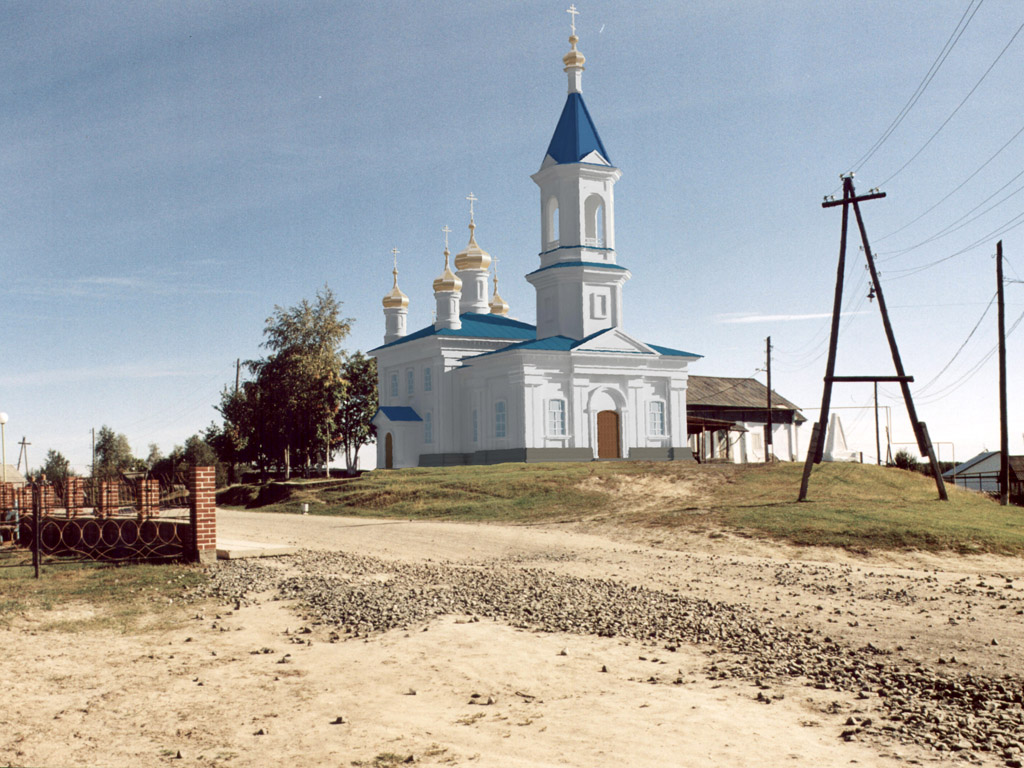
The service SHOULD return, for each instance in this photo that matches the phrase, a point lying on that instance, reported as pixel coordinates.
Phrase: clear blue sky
(171, 171)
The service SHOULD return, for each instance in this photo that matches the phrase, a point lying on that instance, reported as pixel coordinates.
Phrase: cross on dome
(394, 254)
(571, 10)
(472, 199)
(446, 229)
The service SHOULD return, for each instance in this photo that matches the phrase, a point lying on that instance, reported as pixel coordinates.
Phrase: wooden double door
(608, 435)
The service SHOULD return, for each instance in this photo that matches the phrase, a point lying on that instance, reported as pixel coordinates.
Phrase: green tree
(113, 454)
(299, 385)
(154, 456)
(906, 460)
(56, 468)
(352, 421)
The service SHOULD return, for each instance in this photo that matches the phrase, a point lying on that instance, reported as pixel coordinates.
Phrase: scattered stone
(339, 720)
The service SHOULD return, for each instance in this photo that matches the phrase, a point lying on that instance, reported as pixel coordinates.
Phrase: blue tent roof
(575, 135)
(399, 413)
(475, 325)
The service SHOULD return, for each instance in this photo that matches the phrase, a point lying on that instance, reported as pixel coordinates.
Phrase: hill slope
(850, 505)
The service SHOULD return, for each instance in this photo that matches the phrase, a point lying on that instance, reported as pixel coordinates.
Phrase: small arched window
(593, 211)
(551, 222)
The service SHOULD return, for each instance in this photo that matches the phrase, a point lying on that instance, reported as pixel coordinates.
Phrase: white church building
(477, 387)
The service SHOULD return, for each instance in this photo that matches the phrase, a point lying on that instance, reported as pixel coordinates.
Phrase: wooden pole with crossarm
(816, 449)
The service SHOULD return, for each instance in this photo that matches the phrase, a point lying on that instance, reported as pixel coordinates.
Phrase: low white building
(478, 387)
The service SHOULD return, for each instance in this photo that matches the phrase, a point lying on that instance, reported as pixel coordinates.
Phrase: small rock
(339, 720)
(411, 692)
(564, 652)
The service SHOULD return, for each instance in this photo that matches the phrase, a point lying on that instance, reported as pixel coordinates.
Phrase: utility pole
(1004, 435)
(817, 445)
(238, 373)
(878, 436)
(23, 452)
(769, 449)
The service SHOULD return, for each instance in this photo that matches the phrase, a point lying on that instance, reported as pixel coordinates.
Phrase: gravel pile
(939, 707)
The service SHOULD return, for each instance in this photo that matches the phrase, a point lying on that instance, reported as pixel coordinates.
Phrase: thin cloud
(747, 317)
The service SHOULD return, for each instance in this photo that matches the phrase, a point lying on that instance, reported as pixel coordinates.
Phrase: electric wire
(1012, 224)
(956, 224)
(971, 372)
(958, 106)
(960, 349)
(947, 48)
(956, 189)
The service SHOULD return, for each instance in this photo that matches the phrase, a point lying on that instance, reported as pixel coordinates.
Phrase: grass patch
(855, 506)
(85, 596)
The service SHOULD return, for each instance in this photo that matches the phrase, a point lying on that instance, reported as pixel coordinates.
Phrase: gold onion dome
(395, 298)
(573, 58)
(498, 305)
(447, 281)
(474, 257)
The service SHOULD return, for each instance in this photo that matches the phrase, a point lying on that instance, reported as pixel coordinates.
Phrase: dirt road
(261, 682)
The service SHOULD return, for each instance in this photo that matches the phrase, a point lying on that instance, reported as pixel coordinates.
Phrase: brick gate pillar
(202, 513)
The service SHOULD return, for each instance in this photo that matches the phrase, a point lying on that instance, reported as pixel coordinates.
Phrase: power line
(1012, 224)
(935, 378)
(971, 372)
(955, 225)
(951, 114)
(958, 31)
(957, 188)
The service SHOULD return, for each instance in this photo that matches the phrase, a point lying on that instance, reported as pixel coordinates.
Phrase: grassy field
(88, 596)
(860, 507)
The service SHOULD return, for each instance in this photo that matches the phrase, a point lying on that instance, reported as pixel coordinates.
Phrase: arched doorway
(608, 435)
(389, 452)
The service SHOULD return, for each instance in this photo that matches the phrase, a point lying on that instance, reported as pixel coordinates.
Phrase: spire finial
(472, 199)
(574, 60)
(446, 229)
(394, 257)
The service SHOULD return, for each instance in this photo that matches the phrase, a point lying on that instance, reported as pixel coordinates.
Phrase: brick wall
(6, 495)
(202, 513)
(74, 495)
(109, 501)
(149, 497)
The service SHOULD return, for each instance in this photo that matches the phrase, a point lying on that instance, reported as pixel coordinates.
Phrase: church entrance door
(389, 452)
(608, 435)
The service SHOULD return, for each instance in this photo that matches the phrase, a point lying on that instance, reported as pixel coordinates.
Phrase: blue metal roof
(565, 344)
(399, 413)
(669, 352)
(475, 325)
(575, 135)
(597, 264)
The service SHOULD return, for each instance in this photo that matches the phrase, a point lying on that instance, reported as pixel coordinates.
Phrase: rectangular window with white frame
(556, 417)
(500, 419)
(656, 418)
(410, 381)
(428, 383)
(394, 385)
(428, 427)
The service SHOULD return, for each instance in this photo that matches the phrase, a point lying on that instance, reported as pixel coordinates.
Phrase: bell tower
(579, 284)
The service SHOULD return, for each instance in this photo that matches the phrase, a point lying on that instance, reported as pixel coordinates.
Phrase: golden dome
(498, 305)
(573, 58)
(473, 257)
(395, 297)
(447, 281)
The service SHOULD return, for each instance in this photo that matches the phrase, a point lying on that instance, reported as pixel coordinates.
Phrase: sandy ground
(251, 686)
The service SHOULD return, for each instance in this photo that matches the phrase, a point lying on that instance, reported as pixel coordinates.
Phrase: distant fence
(131, 519)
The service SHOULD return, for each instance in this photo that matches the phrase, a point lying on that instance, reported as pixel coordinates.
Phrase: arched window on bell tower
(593, 213)
(551, 238)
